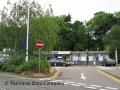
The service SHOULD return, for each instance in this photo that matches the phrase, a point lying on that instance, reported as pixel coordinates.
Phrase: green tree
(71, 36)
(80, 35)
(44, 28)
(99, 25)
(64, 32)
(112, 40)
(13, 25)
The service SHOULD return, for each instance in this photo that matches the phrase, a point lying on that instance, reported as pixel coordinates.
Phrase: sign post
(39, 61)
(39, 45)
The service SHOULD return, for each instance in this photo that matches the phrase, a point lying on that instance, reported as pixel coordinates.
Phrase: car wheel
(114, 65)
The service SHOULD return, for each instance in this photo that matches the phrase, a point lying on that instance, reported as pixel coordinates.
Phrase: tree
(117, 14)
(71, 36)
(44, 28)
(80, 36)
(99, 25)
(13, 25)
(64, 32)
(112, 40)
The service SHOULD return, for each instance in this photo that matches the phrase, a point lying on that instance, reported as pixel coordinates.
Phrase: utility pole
(116, 58)
(87, 57)
(27, 38)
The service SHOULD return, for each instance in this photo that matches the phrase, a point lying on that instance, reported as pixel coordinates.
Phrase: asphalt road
(70, 78)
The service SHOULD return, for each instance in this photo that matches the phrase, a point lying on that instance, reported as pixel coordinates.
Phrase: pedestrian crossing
(84, 85)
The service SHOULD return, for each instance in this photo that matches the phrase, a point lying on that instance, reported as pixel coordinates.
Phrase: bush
(13, 62)
(16, 63)
(44, 65)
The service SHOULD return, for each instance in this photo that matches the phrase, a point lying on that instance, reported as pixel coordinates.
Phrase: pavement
(114, 71)
(54, 73)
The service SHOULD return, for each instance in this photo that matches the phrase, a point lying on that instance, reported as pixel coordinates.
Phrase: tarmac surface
(70, 78)
(114, 71)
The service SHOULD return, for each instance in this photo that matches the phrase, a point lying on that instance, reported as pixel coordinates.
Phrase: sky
(82, 10)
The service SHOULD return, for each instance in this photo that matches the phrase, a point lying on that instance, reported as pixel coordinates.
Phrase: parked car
(58, 62)
(108, 62)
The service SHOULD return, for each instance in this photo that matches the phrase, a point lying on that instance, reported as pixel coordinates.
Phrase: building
(79, 57)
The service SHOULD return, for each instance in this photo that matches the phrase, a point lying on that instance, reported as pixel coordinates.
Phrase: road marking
(95, 85)
(75, 85)
(42, 79)
(56, 81)
(89, 87)
(112, 88)
(110, 76)
(81, 83)
(3, 88)
(68, 82)
(83, 76)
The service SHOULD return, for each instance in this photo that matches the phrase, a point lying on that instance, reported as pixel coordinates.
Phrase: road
(70, 78)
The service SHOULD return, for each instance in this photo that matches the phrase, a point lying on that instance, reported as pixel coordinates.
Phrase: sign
(39, 44)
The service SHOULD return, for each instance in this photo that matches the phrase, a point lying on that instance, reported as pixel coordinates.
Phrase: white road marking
(75, 85)
(43, 79)
(95, 86)
(81, 83)
(56, 81)
(83, 76)
(68, 82)
(90, 87)
(2, 88)
(112, 88)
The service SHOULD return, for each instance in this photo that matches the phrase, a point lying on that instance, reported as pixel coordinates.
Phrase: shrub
(44, 64)
(16, 63)
(13, 62)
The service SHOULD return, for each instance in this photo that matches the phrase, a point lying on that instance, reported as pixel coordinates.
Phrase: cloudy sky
(79, 9)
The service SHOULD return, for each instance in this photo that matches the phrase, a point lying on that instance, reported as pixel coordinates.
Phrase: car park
(58, 62)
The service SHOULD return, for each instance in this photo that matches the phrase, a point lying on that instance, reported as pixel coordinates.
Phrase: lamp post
(27, 38)
(87, 57)
(116, 58)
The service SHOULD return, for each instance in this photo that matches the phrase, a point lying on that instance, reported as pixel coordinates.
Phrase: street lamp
(27, 37)
(116, 57)
(87, 57)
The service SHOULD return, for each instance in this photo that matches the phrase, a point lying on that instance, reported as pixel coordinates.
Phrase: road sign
(39, 44)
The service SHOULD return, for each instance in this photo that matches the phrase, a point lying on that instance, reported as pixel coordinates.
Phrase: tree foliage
(112, 41)
(14, 25)
(46, 29)
(58, 32)
(99, 25)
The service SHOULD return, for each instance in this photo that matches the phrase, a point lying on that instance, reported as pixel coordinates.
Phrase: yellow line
(110, 76)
